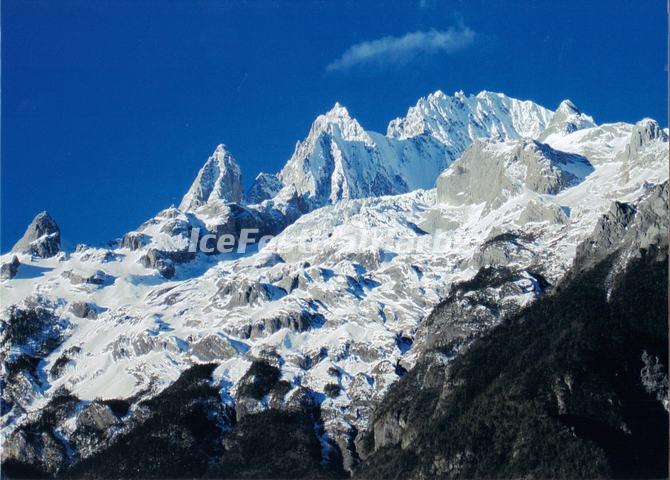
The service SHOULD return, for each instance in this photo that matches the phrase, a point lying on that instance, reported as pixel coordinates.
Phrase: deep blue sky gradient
(109, 108)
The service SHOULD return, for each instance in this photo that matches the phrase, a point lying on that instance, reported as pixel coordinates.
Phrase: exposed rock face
(165, 262)
(609, 231)
(295, 321)
(636, 227)
(645, 133)
(475, 306)
(27, 335)
(237, 217)
(219, 179)
(493, 172)
(10, 269)
(502, 250)
(96, 425)
(134, 240)
(42, 237)
(84, 309)
(65, 360)
(212, 347)
(158, 260)
(247, 293)
(262, 380)
(538, 211)
(265, 186)
(98, 278)
(96, 416)
(36, 448)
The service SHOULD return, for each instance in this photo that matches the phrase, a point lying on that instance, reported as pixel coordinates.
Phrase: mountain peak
(455, 121)
(644, 133)
(568, 107)
(437, 95)
(338, 110)
(567, 119)
(489, 94)
(337, 114)
(339, 123)
(219, 179)
(42, 237)
(318, 168)
(651, 126)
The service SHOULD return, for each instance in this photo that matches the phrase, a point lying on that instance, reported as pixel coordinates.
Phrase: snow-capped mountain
(218, 180)
(340, 160)
(566, 119)
(457, 120)
(372, 231)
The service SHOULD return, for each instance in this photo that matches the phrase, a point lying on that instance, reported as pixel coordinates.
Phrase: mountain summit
(340, 160)
(456, 120)
(42, 237)
(567, 119)
(218, 180)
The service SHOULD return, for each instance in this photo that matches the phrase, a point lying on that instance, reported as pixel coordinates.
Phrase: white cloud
(400, 50)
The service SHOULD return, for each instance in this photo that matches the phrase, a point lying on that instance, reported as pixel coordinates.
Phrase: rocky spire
(333, 162)
(42, 237)
(337, 122)
(219, 179)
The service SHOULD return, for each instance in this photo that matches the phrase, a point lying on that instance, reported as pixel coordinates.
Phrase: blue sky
(109, 108)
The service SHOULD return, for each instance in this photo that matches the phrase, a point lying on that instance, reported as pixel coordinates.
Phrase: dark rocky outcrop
(261, 379)
(160, 261)
(63, 361)
(635, 227)
(474, 306)
(84, 309)
(164, 261)
(247, 292)
(212, 347)
(10, 269)
(28, 334)
(42, 237)
(97, 278)
(35, 447)
(502, 250)
(135, 240)
(295, 320)
(183, 432)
